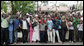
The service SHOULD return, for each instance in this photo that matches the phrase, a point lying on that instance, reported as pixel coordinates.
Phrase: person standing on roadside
(49, 30)
(11, 27)
(25, 29)
(4, 28)
(31, 29)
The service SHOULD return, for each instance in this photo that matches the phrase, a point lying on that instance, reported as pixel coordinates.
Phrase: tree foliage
(23, 6)
(3, 6)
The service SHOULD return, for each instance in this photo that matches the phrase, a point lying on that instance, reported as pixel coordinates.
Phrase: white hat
(36, 15)
(27, 13)
(73, 13)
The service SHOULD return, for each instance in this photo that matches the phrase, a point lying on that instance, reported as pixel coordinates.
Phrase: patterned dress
(31, 32)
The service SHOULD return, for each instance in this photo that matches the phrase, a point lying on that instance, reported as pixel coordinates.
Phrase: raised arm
(1, 18)
(8, 17)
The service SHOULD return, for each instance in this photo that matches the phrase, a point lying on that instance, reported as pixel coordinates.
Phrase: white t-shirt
(24, 24)
(80, 27)
(71, 27)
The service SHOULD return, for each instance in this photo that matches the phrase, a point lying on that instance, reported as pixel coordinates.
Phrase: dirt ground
(65, 43)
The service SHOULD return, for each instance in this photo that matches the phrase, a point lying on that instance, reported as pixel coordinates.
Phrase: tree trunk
(37, 6)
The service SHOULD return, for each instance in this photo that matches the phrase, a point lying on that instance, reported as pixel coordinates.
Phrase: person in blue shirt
(11, 30)
(16, 26)
(55, 30)
(49, 30)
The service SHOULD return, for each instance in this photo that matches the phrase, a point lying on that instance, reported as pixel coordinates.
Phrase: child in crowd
(80, 31)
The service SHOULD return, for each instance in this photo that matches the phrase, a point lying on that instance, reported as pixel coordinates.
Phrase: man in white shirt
(25, 29)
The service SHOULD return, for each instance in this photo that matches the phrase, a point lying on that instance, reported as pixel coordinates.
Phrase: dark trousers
(46, 37)
(71, 35)
(63, 33)
(42, 33)
(4, 35)
(24, 35)
(80, 35)
(13, 36)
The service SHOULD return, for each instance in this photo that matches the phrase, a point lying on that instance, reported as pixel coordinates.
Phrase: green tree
(23, 6)
(3, 6)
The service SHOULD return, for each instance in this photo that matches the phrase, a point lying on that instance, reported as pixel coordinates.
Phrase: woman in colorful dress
(31, 30)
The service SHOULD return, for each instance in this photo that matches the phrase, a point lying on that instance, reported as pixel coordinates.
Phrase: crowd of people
(41, 27)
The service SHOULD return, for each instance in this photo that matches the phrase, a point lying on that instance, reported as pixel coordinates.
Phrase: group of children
(41, 28)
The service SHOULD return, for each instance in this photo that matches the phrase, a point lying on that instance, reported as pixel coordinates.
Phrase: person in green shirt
(76, 20)
(4, 21)
(4, 28)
